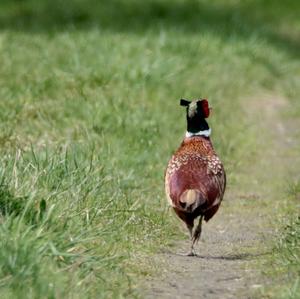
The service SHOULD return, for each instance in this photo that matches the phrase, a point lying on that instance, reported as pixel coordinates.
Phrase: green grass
(288, 251)
(89, 95)
(283, 265)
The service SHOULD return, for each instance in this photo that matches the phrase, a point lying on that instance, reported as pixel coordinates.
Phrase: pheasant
(195, 178)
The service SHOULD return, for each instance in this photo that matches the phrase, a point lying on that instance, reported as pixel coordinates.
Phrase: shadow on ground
(229, 257)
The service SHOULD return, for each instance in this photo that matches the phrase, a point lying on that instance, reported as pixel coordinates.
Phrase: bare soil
(240, 233)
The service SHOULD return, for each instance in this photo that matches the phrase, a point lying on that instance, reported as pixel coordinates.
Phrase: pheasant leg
(196, 236)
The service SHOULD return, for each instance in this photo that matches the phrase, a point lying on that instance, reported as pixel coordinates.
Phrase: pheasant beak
(210, 110)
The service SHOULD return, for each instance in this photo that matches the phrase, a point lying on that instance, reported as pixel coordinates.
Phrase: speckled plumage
(196, 166)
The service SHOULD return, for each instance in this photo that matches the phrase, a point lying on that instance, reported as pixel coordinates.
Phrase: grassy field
(89, 116)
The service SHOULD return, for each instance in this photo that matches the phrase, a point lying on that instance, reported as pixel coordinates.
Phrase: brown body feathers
(195, 179)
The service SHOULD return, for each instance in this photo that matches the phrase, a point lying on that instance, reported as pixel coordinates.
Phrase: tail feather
(191, 198)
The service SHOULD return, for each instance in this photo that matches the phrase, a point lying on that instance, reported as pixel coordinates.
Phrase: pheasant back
(195, 166)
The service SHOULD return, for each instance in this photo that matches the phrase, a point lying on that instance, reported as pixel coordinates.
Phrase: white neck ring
(205, 133)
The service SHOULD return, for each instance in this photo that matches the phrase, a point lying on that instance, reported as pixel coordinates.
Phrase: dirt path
(233, 241)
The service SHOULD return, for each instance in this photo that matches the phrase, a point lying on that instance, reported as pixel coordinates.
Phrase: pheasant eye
(205, 108)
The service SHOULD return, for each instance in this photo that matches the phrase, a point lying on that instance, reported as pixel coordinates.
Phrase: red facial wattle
(205, 108)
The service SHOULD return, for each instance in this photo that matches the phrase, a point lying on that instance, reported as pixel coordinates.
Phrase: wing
(204, 173)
